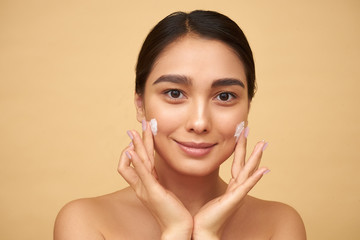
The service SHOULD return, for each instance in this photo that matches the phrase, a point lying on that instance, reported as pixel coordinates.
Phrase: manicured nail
(143, 123)
(266, 172)
(238, 130)
(130, 144)
(128, 154)
(246, 133)
(265, 145)
(130, 135)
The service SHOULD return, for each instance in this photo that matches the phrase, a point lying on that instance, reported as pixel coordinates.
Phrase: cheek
(227, 121)
(168, 117)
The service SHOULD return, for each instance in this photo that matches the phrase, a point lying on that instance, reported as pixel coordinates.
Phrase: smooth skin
(173, 193)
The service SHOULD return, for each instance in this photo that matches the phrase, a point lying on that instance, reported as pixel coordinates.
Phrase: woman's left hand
(210, 221)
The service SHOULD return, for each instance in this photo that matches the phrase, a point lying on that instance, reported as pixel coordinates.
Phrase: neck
(193, 191)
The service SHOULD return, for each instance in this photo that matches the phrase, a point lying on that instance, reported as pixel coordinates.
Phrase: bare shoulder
(88, 218)
(285, 221)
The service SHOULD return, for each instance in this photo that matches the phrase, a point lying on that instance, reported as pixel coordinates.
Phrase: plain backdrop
(66, 101)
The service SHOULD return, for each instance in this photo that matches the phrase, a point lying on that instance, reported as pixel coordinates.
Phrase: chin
(196, 167)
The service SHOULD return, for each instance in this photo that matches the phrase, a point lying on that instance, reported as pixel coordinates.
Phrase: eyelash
(230, 94)
(168, 92)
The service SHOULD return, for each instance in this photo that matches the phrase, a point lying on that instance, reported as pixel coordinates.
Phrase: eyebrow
(227, 82)
(178, 79)
(181, 79)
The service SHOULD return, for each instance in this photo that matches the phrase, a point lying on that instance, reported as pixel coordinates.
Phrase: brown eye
(224, 96)
(174, 93)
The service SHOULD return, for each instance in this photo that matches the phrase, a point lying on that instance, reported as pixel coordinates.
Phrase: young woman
(195, 79)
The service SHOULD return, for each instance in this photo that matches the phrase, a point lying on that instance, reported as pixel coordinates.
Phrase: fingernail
(239, 129)
(246, 133)
(143, 123)
(130, 135)
(265, 145)
(130, 144)
(266, 172)
(128, 154)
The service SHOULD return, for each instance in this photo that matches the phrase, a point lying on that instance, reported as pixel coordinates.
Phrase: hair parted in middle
(206, 24)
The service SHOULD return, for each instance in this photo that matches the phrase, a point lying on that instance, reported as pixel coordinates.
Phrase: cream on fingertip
(153, 126)
(239, 129)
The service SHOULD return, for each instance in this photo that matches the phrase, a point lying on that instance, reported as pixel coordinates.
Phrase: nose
(199, 120)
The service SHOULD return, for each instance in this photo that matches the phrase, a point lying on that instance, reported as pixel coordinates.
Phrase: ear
(140, 110)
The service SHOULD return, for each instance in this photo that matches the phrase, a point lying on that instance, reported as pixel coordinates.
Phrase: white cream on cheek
(153, 126)
(239, 129)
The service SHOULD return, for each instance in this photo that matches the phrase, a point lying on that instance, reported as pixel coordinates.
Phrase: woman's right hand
(136, 166)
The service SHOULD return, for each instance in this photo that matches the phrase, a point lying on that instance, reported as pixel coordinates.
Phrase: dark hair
(207, 24)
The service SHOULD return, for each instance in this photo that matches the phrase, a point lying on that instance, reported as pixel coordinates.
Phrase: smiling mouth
(196, 149)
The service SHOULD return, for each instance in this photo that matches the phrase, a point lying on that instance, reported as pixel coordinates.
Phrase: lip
(196, 149)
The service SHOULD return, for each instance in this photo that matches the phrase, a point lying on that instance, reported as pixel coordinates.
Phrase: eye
(225, 96)
(174, 94)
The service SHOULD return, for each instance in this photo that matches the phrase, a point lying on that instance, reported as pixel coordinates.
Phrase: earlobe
(139, 104)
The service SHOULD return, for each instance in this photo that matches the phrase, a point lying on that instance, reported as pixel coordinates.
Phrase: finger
(147, 137)
(242, 190)
(125, 169)
(253, 163)
(236, 193)
(239, 153)
(142, 171)
(264, 146)
(140, 148)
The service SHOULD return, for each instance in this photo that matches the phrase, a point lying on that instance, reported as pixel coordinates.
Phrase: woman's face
(197, 92)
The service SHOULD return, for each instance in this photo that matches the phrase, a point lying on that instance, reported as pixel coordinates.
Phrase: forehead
(200, 59)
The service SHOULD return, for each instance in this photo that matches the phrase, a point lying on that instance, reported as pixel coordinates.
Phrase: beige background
(66, 101)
